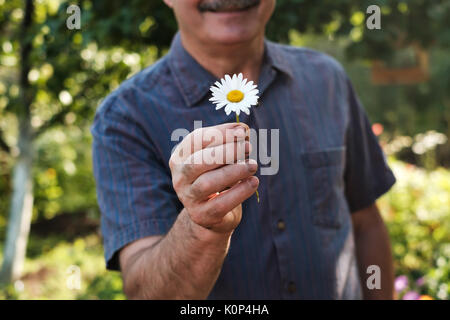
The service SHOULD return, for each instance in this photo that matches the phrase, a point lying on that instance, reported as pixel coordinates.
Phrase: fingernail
(239, 132)
(252, 165)
(253, 181)
(241, 124)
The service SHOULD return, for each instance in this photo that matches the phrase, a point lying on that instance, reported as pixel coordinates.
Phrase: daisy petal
(243, 84)
(228, 109)
(248, 86)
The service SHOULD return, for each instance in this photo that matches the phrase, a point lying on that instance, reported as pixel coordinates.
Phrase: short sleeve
(134, 188)
(367, 174)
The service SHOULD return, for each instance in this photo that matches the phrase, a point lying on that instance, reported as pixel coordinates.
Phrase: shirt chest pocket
(325, 181)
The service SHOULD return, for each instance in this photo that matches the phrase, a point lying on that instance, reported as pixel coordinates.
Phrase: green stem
(256, 192)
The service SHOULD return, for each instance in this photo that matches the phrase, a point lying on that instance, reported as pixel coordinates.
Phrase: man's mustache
(224, 5)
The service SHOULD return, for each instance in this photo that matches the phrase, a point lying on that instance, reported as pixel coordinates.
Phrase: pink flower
(401, 283)
(377, 129)
(421, 281)
(411, 295)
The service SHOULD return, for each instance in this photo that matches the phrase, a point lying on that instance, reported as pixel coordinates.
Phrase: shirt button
(281, 225)
(291, 287)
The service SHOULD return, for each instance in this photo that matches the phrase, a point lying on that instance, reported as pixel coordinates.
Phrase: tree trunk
(22, 197)
(20, 213)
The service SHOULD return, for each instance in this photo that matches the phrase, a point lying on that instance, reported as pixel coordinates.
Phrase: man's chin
(230, 37)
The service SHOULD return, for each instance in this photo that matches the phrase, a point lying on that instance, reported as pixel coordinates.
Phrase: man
(316, 229)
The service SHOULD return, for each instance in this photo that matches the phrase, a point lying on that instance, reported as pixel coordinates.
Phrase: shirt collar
(194, 81)
(276, 57)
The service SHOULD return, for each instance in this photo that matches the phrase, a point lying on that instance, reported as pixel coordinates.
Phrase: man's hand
(204, 165)
(185, 263)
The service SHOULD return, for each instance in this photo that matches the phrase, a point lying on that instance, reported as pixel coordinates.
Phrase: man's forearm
(373, 248)
(184, 264)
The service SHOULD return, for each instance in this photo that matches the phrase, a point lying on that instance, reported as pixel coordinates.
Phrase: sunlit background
(52, 79)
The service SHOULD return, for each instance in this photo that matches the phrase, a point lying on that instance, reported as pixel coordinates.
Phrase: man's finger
(217, 180)
(214, 157)
(209, 137)
(213, 211)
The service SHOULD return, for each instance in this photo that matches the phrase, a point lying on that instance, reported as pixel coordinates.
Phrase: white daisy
(235, 94)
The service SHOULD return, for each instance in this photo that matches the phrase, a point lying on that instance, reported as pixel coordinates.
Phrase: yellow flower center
(235, 96)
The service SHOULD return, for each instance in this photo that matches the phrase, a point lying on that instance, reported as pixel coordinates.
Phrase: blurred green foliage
(72, 70)
(48, 270)
(417, 212)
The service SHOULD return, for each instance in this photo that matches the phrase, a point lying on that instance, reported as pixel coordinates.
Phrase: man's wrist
(202, 234)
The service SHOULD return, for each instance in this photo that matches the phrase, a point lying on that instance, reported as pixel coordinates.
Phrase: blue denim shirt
(297, 243)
